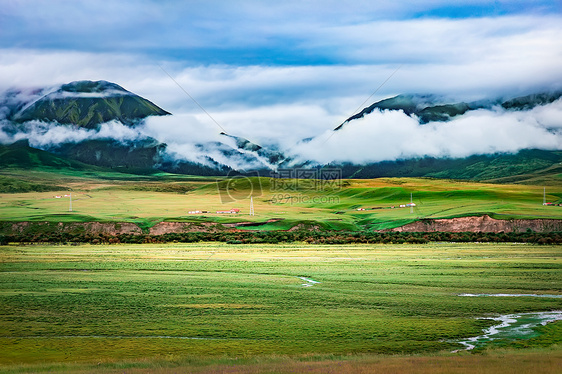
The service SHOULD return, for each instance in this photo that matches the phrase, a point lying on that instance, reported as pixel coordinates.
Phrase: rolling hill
(525, 166)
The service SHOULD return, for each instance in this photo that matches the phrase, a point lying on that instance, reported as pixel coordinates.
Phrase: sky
(276, 72)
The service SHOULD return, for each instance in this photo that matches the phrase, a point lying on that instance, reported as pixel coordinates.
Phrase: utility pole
(544, 196)
(70, 203)
(251, 205)
(411, 202)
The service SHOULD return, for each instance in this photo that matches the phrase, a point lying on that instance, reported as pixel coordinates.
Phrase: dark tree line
(273, 237)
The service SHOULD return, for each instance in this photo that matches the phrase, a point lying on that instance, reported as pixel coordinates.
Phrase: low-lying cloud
(393, 135)
(379, 136)
(43, 135)
(280, 72)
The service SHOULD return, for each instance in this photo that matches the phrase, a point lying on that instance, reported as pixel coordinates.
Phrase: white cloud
(466, 59)
(180, 129)
(391, 135)
(163, 26)
(549, 116)
(46, 135)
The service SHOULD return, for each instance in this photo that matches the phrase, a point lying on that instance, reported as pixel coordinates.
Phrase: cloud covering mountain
(393, 135)
(392, 129)
(278, 73)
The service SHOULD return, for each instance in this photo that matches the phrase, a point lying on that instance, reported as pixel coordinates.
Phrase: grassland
(203, 307)
(147, 200)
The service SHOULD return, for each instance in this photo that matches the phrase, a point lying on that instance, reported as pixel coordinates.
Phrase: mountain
(266, 156)
(477, 167)
(210, 167)
(87, 104)
(514, 167)
(409, 104)
(20, 155)
(432, 108)
(109, 153)
(229, 154)
(98, 156)
(84, 104)
(531, 101)
(427, 108)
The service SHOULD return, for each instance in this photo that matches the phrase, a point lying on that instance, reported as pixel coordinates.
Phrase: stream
(511, 326)
(310, 282)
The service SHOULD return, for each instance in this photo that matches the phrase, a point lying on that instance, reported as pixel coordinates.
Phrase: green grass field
(147, 200)
(204, 306)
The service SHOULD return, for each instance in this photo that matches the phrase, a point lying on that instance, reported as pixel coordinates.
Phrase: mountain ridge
(432, 108)
(88, 104)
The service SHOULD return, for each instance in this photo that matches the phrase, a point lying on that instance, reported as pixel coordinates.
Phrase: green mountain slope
(531, 101)
(88, 104)
(21, 156)
(271, 155)
(526, 165)
(409, 104)
(431, 108)
(142, 154)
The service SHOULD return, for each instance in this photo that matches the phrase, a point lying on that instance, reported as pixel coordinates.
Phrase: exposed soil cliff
(179, 227)
(110, 228)
(464, 224)
(481, 224)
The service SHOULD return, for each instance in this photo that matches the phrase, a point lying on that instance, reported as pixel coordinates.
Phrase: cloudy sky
(280, 71)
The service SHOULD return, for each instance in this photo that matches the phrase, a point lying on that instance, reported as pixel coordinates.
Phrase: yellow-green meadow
(209, 303)
(333, 206)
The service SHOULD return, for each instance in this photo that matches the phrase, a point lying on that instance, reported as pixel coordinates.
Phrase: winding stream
(310, 282)
(511, 326)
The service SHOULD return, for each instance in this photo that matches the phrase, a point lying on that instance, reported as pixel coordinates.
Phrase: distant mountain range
(432, 108)
(87, 105)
